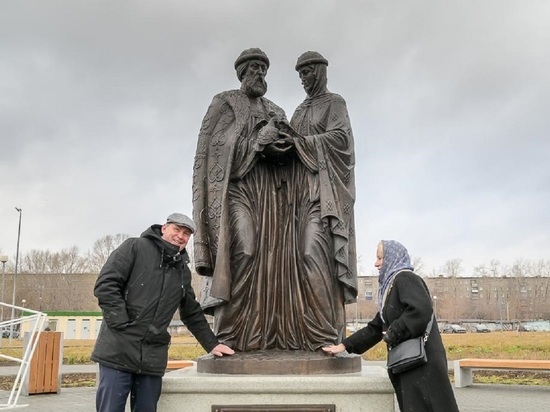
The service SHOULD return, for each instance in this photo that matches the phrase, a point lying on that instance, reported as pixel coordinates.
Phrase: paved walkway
(482, 398)
(485, 398)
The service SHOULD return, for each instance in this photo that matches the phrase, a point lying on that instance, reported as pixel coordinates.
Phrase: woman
(404, 311)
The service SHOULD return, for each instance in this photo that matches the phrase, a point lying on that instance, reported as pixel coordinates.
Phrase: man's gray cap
(181, 220)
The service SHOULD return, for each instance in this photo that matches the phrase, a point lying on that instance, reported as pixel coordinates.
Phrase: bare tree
(71, 261)
(102, 249)
(35, 261)
(44, 261)
(360, 270)
(520, 268)
(418, 265)
(494, 268)
(481, 271)
(452, 268)
(540, 268)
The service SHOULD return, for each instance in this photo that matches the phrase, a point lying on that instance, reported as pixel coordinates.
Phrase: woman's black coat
(407, 312)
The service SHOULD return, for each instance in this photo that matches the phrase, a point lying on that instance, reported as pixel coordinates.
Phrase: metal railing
(37, 320)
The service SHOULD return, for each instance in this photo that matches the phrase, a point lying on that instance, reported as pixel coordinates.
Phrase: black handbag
(410, 353)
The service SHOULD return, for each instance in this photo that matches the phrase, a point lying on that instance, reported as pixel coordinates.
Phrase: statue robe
(262, 236)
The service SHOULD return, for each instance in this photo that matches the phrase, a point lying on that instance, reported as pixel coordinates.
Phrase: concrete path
(482, 398)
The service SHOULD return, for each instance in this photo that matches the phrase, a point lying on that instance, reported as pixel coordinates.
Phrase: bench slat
(463, 367)
(505, 363)
(178, 364)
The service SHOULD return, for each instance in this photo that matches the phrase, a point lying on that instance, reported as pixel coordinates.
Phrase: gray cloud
(101, 103)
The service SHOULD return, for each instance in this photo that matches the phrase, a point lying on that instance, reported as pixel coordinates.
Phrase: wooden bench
(463, 367)
(178, 364)
(171, 365)
(44, 375)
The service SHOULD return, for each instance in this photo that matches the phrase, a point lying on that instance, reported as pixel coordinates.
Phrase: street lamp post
(15, 271)
(500, 310)
(3, 259)
(435, 306)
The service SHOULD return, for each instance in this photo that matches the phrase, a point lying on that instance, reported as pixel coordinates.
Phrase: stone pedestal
(280, 362)
(366, 391)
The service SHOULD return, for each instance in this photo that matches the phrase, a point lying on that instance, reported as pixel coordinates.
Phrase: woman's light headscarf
(320, 85)
(395, 259)
(318, 64)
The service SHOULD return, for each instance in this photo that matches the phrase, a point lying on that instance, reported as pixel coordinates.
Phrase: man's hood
(154, 233)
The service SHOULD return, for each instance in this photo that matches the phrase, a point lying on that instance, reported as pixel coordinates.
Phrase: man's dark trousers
(114, 387)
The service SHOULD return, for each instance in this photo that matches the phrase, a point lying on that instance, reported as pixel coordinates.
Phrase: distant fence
(471, 324)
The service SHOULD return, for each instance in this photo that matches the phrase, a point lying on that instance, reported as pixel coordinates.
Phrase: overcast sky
(101, 103)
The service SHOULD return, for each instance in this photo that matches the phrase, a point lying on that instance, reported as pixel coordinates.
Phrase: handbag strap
(428, 328)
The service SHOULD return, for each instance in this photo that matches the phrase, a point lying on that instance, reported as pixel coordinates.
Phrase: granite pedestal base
(369, 390)
(280, 362)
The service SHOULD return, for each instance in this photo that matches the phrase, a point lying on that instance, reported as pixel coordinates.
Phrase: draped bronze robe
(262, 236)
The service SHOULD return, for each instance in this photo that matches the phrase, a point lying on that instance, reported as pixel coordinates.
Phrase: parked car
(480, 328)
(453, 328)
(6, 334)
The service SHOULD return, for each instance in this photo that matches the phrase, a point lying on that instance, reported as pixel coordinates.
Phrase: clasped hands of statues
(277, 138)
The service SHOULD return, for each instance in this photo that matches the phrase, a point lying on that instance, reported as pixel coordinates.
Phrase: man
(139, 289)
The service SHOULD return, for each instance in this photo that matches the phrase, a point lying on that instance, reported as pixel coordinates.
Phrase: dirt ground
(67, 381)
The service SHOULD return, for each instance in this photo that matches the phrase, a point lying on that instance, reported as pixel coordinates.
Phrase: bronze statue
(273, 203)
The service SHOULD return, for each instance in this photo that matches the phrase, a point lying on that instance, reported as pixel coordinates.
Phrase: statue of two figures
(273, 202)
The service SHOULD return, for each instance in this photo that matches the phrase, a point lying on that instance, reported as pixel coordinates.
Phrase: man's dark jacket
(139, 289)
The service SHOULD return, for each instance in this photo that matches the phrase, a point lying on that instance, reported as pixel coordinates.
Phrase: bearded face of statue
(253, 82)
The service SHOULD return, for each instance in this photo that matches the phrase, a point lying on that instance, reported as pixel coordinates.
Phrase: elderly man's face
(254, 84)
(176, 235)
